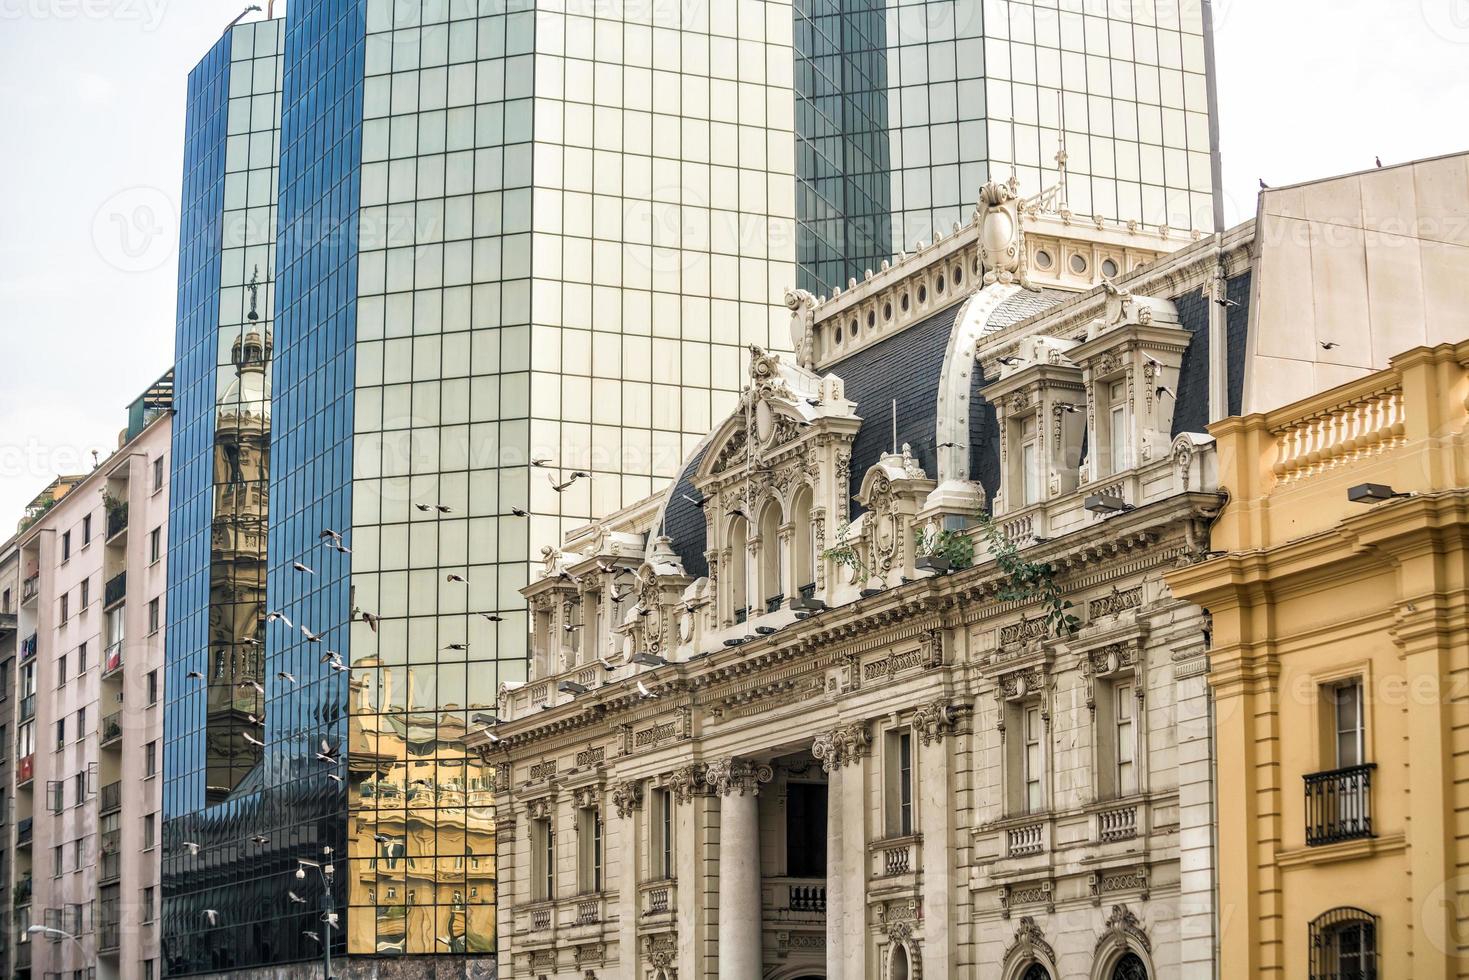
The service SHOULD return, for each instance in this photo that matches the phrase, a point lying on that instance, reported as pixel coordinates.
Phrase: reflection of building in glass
(237, 561)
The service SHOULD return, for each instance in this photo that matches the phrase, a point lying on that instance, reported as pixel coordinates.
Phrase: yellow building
(1340, 665)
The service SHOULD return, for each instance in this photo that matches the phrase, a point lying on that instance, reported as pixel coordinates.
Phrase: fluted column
(737, 783)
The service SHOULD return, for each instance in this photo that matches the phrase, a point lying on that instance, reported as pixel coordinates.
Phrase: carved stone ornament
(586, 797)
(628, 797)
(539, 809)
(935, 720)
(661, 950)
(1123, 933)
(842, 746)
(687, 782)
(730, 776)
(803, 317)
(1001, 239)
(1030, 944)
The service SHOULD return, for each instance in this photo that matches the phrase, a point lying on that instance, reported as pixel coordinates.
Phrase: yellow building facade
(1339, 663)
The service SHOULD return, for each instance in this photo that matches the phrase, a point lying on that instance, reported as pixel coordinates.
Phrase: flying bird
(1070, 409)
(735, 511)
(1008, 361)
(190, 846)
(541, 461)
(456, 577)
(252, 683)
(697, 503)
(947, 445)
(606, 664)
(212, 915)
(644, 692)
(620, 595)
(572, 627)
(334, 777)
(194, 675)
(457, 646)
(271, 617)
(252, 739)
(493, 617)
(1162, 390)
(1226, 302)
(333, 539)
(260, 839)
(519, 512)
(295, 898)
(311, 935)
(564, 485)
(606, 567)
(338, 666)
(326, 752)
(369, 619)
(298, 566)
(1329, 345)
(310, 636)
(286, 676)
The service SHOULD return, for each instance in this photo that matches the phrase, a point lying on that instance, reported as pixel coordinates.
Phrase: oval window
(940, 284)
(1078, 264)
(922, 294)
(1043, 259)
(1109, 268)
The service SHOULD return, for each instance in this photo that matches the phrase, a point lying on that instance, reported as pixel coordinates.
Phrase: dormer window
(739, 569)
(1030, 463)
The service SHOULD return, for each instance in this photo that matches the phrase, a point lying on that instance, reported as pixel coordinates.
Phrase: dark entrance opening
(806, 830)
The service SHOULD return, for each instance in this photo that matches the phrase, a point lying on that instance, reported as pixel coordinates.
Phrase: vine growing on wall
(955, 547)
(1029, 581)
(846, 554)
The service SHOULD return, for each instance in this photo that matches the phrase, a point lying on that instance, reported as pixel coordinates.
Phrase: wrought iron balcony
(23, 832)
(116, 589)
(1339, 805)
(773, 603)
(111, 797)
(111, 727)
(117, 520)
(112, 658)
(28, 707)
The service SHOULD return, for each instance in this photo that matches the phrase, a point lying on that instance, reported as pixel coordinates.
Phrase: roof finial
(254, 287)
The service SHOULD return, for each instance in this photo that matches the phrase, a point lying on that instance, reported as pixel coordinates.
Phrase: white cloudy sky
(91, 112)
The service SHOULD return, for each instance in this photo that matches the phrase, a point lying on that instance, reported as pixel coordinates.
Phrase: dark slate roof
(1024, 305)
(684, 523)
(984, 437)
(905, 367)
(1192, 411)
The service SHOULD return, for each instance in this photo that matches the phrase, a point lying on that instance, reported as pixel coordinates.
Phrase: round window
(853, 329)
(940, 284)
(839, 335)
(1109, 268)
(1043, 259)
(871, 319)
(958, 275)
(1078, 264)
(904, 302)
(922, 294)
(887, 311)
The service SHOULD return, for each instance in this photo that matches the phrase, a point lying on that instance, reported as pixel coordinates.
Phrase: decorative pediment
(1029, 945)
(1124, 932)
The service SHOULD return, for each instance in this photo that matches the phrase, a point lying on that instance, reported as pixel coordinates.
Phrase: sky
(92, 111)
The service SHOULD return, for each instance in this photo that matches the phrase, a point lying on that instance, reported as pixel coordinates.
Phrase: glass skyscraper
(459, 275)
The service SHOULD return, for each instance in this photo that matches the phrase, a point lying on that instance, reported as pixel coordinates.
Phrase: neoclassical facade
(889, 684)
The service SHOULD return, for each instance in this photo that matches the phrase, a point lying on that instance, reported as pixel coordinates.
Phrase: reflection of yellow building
(421, 826)
(237, 562)
(1340, 666)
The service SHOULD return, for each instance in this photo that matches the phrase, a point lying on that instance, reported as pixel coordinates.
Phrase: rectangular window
(1123, 700)
(155, 544)
(1118, 436)
(153, 615)
(663, 857)
(150, 758)
(81, 721)
(150, 828)
(61, 671)
(1033, 759)
(82, 658)
(148, 970)
(905, 783)
(898, 782)
(86, 528)
(54, 789)
(1347, 722)
(65, 607)
(148, 903)
(86, 592)
(589, 841)
(66, 546)
(153, 687)
(76, 853)
(61, 733)
(1030, 474)
(58, 855)
(79, 789)
(543, 853)
(158, 473)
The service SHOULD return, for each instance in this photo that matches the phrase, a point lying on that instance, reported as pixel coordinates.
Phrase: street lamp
(329, 917)
(53, 933)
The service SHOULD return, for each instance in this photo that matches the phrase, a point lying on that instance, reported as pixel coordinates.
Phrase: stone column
(737, 783)
(841, 753)
(836, 904)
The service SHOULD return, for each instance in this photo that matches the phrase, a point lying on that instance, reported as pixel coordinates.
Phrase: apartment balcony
(23, 830)
(25, 769)
(28, 647)
(657, 901)
(22, 892)
(9, 623)
(896, 856)
(794, 899)
(117, 521)
(111, 731)
(112, 658)
(23, 955)
(27, 709)
(115, 591)
(30, 588)
(110, 798)
(109, 937)
(1339, 805)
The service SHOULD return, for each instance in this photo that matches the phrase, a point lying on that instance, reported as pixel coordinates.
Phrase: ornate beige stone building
(891, 684)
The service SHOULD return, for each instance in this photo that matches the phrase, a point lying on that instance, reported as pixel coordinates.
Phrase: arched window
(739, 569)
(771, 560)
(1130, 967)
(803, 546)
(898, 968)
(1344, 945)
(1036, 972)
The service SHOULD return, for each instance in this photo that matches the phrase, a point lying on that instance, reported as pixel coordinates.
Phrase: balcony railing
(117, 520)
(25, 768)
(111, 727)
(28, 707)
(1029, 839)
(773, 603)
(28, 647)
(23, 831)
(30, 587)
(112, 658)
(657, 897)
(1339, 805)
(22, 892)
(116, 589)
(1118, 823)
(807, 898)
(111, 797)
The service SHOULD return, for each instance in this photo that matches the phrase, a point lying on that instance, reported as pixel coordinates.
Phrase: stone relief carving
(1123, 932)
(935, 720)
(1030, 943)
(727, 777)
(628, 797)
(687, 782)
(841, 746)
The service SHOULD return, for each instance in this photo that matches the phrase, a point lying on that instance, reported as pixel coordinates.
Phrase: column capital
(733, 776)
(842, 745)
(627, 797)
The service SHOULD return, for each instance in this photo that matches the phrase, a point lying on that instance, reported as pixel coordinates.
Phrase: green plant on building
(1029, 581)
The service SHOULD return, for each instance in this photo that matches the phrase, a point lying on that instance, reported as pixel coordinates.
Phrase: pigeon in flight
(518, 512)
(252, 739)
(456, 577)
(271, 617)
(212, 915)
(697, 503)
(260, 839)
(1162, 390)
(1329, 345)
(326, 752)
(297, 899)
(309, 934)
(190, 846)
(457, 646)
(286, 676)
(370, 619)
(644, 692)
(541, 461)
(298, 566)
(310, 636)
(493, 617)
(194, 675)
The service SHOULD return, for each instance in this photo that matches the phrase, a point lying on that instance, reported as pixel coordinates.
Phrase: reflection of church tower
(237, 558)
